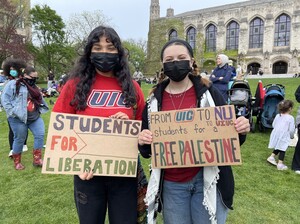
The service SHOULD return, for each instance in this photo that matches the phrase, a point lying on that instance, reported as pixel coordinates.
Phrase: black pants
(296, 157)
(93, 197)
(281, 154)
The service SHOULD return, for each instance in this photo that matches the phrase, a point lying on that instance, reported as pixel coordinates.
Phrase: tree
(137, 53)
(79, 26)
(50, 47)
(12, 17)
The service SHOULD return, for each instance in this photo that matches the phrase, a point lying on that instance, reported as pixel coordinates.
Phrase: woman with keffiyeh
(187, 195)
(23, 103)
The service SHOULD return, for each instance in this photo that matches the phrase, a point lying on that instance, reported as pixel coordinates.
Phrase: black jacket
(297, 94)
(226, 182)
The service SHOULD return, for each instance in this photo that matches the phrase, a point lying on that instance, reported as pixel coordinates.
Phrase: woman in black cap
(189, 194)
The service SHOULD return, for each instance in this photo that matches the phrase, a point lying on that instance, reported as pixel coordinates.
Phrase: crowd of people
(205, 192)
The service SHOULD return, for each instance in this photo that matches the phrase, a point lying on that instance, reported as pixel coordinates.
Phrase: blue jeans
(20, 130)
(182, 203)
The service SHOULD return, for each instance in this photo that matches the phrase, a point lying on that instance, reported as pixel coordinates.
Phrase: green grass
(262, 194)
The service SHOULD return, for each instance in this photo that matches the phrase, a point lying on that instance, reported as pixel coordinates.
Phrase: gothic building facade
(255, 34)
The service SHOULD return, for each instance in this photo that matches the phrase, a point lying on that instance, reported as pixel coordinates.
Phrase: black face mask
(105, 62)
(31, 82)
(177, 70)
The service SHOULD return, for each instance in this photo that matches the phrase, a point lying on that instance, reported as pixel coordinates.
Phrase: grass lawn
(262, 194)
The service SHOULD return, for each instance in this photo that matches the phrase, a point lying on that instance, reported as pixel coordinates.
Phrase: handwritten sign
(195, 137)
(78, 143)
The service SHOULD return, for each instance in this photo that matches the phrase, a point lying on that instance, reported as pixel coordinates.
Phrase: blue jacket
(222, 84)
(16, 105)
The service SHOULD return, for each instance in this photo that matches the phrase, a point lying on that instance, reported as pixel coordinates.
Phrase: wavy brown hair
(84, 71)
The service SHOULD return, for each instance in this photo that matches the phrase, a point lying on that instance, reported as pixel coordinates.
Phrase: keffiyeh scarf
(210, 174)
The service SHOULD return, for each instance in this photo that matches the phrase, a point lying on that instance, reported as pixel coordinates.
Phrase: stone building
(255, 34)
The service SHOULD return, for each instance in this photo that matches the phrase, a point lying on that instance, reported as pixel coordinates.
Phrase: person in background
(12, 69)
(3, 78)
(52, 90)
(50, 78)
(283, 130)
(182, 190)
(61, 82)
(138, 76)
(23, 104)
(221, 75)
(239, 73)
(296, 157)
(250, 71)
(103, 67)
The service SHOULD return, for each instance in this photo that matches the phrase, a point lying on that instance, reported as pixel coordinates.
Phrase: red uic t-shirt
(105, 99)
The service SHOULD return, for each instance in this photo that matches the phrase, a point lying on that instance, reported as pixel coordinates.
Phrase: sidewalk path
(270, 76)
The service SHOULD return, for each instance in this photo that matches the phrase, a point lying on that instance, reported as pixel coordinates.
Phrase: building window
(256, 34)
(282, 30)
(173, 34)
(191, 37)
(210, 38)
(232, 36)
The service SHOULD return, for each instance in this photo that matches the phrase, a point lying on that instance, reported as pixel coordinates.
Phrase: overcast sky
(130, 18)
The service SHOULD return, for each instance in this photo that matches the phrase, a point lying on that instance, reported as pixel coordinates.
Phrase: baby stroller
(258, 101)
(273, 94)
(240, 96)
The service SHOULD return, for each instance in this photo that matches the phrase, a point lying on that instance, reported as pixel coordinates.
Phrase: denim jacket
(16, 105)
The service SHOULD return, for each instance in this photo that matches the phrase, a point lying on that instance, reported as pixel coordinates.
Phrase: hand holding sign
(77, 143)
(195, 137)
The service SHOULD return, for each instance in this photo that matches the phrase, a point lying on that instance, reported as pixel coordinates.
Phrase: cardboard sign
(78, 143)
(195, 137)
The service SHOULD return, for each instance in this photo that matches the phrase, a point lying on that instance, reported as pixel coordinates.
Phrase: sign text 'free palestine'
(195, 137)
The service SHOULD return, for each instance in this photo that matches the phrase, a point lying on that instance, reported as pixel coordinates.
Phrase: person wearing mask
(221, 75)
(12, 70)
(23, 103)
(103, 67)
(181, 190)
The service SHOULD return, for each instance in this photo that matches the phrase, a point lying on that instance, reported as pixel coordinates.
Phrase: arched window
(191, 37)
(282, 30)
(232, 36)
(172, 34)
(256, 34)
(210, 38)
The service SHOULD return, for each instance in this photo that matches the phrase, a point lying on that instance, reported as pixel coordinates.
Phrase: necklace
(182, 95)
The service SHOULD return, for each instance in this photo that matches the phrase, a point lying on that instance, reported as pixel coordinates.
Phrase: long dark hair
(85, 71)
